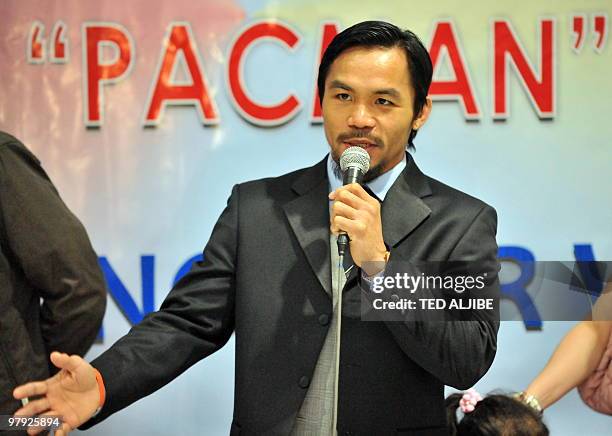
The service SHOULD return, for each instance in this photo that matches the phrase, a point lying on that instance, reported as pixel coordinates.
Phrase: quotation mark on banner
(56, 46)
(599, 26)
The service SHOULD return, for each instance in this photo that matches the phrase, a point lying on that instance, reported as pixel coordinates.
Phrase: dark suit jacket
(45, 254)
(264, 275)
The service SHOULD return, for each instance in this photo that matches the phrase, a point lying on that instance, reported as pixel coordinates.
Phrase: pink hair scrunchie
(469, 400)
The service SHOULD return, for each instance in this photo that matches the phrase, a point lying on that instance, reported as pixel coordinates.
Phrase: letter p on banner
(98, 71)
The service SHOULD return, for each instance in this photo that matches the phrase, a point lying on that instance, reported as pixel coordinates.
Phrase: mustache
(360, 134)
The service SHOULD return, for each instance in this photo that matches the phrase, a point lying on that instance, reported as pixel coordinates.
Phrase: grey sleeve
(195, 320)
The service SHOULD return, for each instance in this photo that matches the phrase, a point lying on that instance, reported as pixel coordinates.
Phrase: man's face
(368, 102)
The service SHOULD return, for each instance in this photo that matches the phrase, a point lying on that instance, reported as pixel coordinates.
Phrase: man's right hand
(71, 394)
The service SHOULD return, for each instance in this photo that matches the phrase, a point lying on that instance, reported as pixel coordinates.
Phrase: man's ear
(423, 115)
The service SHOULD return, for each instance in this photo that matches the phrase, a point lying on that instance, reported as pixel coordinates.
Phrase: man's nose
(360, 118)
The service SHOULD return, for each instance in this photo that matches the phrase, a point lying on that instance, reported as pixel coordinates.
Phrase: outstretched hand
(72, 394)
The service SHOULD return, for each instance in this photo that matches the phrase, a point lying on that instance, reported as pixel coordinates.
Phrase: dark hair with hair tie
(495, 415)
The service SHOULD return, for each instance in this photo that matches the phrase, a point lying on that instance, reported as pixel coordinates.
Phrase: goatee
(368, 177)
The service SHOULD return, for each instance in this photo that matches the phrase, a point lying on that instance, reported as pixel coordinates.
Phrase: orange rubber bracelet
(101, 387)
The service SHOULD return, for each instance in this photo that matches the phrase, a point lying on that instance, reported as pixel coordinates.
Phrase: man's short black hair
(383, 34)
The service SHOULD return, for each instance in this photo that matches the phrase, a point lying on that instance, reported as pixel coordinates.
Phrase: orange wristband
(101, 387)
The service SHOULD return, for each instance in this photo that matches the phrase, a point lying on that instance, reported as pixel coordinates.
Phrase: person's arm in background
(576, 356)
(54, 252)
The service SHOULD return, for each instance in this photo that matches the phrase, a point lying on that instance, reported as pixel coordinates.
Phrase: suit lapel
(308, 215)
(403, 210)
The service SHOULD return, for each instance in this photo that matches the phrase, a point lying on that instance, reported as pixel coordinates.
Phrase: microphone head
(355, 157)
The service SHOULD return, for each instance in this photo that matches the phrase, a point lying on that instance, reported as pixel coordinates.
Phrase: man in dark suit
(268, 275)
(52, 291)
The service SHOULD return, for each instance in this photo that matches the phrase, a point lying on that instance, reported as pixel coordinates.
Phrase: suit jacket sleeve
(52, 248)
(459, 352)
(195, 320)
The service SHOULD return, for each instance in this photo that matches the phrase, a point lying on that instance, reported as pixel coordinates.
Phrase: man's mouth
(365, 144)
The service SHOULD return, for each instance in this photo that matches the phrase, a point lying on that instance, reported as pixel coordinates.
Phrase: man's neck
(380, 185)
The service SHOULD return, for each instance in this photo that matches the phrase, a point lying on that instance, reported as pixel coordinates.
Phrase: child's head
(495, 415)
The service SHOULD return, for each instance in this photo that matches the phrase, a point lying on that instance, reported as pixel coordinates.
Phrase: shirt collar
(379, 186)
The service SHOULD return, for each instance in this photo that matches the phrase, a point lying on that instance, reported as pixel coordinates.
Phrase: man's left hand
(358, 214)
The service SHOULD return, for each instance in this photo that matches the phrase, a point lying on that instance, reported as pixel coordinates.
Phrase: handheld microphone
(354, 163)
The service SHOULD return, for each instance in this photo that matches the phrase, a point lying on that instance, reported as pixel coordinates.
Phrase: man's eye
(384, 101)
(343, 96)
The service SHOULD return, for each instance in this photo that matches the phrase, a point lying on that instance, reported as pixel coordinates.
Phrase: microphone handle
(352, 175)
(343, 243)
